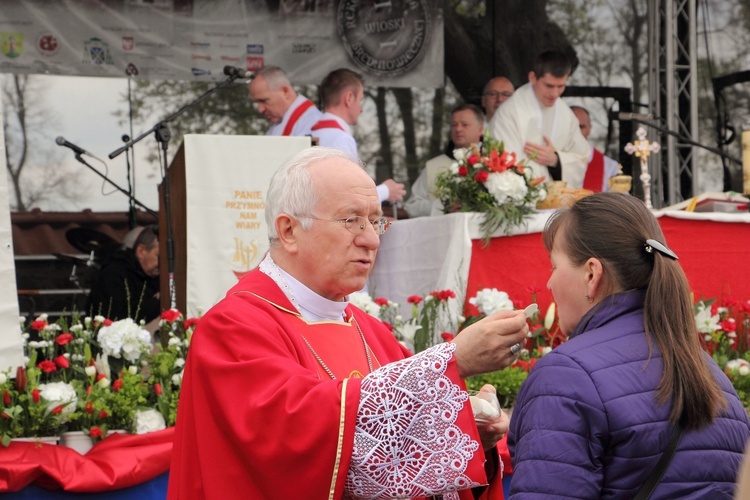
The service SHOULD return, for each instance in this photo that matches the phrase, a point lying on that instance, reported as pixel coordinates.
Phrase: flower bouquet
(487, 179)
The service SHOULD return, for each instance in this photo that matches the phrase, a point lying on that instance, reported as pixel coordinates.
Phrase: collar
(611, 307)
(339, 120)
(310, 305)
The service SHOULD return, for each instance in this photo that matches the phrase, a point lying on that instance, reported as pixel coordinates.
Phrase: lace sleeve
(406, 441)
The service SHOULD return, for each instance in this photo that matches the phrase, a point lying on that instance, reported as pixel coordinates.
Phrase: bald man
(600, 167)
(497, 91)
(290, 114)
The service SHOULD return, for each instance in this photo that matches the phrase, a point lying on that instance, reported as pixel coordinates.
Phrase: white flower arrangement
(704, 320)
(148, 420)
(124, 338)
(59, 394)
(366, 303)
(490, 300)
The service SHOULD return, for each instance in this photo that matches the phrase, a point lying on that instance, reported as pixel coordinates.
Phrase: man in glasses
(292, 392)
(466, 129)
(497, 91)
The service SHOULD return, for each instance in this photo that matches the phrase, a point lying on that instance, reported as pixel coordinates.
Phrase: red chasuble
(257, 417)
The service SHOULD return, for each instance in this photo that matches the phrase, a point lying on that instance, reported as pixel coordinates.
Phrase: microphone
(79, 151)
(626, 117)
(236, 72)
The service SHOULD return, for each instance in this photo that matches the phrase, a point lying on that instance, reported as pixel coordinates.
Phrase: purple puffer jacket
(586, 424)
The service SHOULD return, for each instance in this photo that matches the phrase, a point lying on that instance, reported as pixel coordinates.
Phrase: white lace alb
(406, 442)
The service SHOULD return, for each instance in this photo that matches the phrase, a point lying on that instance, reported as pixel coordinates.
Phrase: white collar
(310, 305)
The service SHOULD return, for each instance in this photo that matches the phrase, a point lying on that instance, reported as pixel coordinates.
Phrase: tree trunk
(384, 165)
(438, 114)
(404, 99)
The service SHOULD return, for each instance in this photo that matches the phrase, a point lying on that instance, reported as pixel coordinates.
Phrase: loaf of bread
(564, 197)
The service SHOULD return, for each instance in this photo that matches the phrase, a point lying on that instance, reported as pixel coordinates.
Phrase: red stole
(327, 124)
(594, 179)
(340, 346)
(295, 116)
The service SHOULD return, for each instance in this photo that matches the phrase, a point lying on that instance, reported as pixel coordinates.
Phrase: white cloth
(422, 199)
(343, 140)
(304, 123)
(611, 168)
(521, 119)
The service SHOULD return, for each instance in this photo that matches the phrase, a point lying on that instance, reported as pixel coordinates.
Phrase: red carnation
(190, 322)
(62, 361)
(472, 160)
(95, 432)
(447, 336)
(47, 366)
(38, 324)
(170, 315)
(381, 301)
(414, 299)
(729, 325)
(157, 389)
(117, 385)
(6, 398)
(463, 171)
(481, 176)
(64, 338)
(57, 410)
(103, 414)
(107, 322)
(36, 396)
(89, 406)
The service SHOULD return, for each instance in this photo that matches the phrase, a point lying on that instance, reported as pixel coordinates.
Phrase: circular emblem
(47, 44)
(385, 38)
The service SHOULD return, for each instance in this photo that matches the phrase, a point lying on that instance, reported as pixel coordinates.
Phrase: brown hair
(478, 113)
(335, 83)
(614, 227)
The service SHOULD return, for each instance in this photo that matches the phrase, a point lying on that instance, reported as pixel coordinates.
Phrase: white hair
(274, 76)
(291, 190)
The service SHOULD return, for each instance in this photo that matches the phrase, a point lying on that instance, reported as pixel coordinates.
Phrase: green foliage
(507, 382)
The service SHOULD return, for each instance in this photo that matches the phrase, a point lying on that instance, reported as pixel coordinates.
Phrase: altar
(421, 255)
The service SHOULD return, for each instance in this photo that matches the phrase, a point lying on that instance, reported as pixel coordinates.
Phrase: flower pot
(76, 440)
(42, 440)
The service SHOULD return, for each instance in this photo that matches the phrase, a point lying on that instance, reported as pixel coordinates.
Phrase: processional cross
(642, 148)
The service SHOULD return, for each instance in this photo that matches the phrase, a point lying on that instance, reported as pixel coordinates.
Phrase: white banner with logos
(226, 182)
(396, 43)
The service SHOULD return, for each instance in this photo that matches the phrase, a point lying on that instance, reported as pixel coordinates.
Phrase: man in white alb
(534, 122)
(341, 95)
(290, 114)
(466, 129)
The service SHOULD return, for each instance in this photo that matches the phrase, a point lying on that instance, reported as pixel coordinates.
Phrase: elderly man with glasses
(290, 391)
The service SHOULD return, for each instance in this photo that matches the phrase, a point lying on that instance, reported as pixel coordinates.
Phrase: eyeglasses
(357, 224)
(496, 95)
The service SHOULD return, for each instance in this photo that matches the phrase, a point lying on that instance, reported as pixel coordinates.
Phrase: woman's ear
(594, 278)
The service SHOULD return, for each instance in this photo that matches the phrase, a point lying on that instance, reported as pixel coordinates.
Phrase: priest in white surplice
(535, 122)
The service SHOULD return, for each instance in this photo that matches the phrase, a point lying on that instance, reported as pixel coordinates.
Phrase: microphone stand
(123, 191)
(685, 140)
(162, 134)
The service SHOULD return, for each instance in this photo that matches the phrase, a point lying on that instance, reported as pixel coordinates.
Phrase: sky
(81, 110)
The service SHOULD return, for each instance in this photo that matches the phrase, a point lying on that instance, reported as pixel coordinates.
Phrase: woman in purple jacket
(596, 414)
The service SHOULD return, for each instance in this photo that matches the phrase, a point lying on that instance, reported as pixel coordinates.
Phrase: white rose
(148, 421)
(59, 393)
(459, 154)
(365, 302)
(506, 187)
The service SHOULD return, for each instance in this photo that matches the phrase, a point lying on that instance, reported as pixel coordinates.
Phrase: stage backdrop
(11, 349)
(396, 44)
(226, 182)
